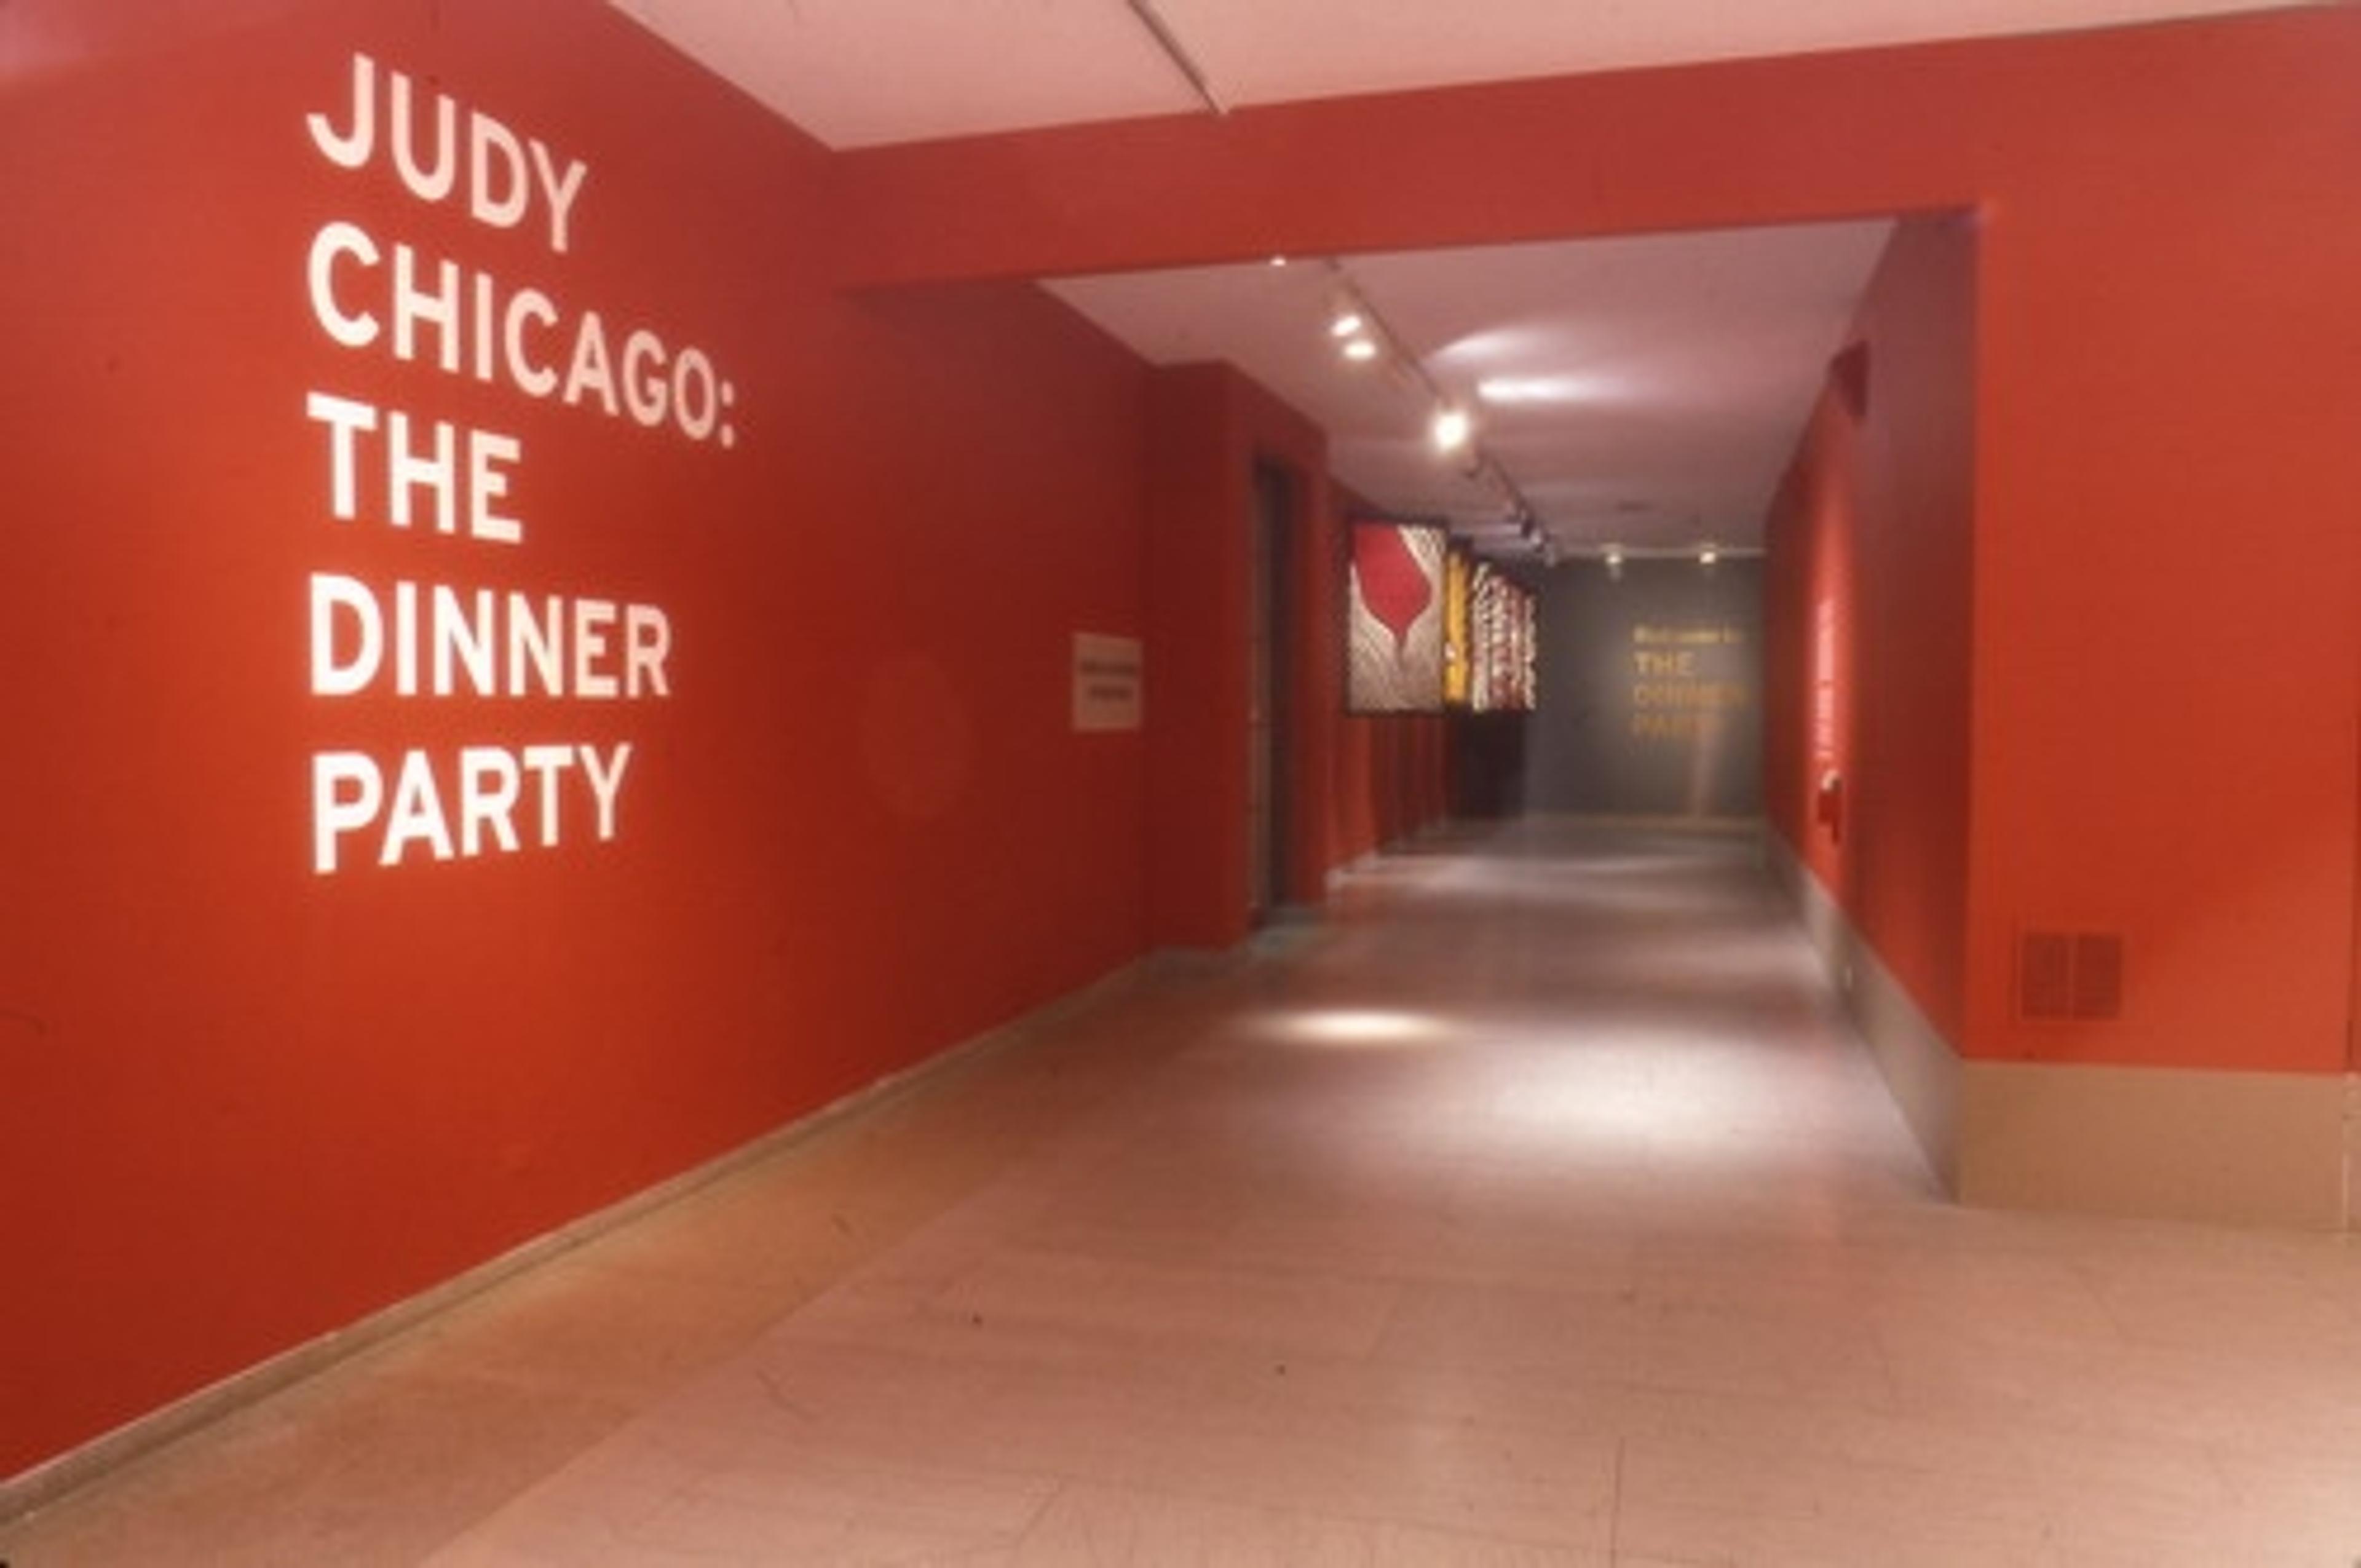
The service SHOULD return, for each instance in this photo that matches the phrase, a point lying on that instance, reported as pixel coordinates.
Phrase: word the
(408, 468)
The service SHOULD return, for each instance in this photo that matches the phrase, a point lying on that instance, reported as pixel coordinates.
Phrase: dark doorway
(1269, 684)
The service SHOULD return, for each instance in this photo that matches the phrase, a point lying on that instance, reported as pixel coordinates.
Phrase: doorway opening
(1270, 679)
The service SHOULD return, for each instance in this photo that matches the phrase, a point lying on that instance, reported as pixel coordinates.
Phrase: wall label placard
(1107, 683)
(406, 469)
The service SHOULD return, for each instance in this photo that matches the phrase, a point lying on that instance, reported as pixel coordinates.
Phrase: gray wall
(1650, 690)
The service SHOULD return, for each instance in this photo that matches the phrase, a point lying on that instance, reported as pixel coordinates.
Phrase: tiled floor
(1535, 1208)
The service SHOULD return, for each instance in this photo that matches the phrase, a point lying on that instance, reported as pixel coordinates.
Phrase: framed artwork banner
(1394, 618)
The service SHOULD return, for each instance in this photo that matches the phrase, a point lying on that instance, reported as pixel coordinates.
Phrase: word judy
(500, 192)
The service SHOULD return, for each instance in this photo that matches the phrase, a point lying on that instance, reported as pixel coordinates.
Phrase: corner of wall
(1923, 1071)
(2202, 1145)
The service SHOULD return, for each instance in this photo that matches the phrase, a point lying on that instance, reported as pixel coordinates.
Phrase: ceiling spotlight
(1614, 555)
(1707, 555)
(1279, 261)
(1360, 349)
(1452, 429)
(1348, 321)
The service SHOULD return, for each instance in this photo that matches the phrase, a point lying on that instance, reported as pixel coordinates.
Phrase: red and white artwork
(1394, 618)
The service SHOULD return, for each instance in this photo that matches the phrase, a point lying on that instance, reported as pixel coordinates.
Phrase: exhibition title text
(402, 468)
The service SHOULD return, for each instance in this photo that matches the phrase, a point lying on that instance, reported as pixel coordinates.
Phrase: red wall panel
(2168, 565)
(248, 1102)
(1200, 475)
(1354, 782)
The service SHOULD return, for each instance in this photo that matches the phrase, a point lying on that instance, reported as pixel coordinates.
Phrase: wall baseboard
(2352, 1217)
(53, 1479)
(1922, 1070)
(2222, 1147)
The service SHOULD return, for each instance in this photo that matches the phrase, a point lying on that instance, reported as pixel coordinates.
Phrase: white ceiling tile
(862, 72)
(859, 73)
(1263, 52)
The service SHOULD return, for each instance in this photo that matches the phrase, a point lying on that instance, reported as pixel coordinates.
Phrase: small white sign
(1106, 682)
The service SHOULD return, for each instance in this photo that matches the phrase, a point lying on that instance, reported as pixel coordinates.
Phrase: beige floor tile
(1533, 1208)
(1091, 1526)
(1171, 1309)
(1088, 1527)
(374, 1464)
(663, 1494)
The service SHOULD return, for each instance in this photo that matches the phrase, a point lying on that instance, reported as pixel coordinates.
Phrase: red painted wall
(2168, 547)
(2166, 566)
(1392, 779)
(1355, 783)
(1867, 603)
(1198, 489)
(246, 1102)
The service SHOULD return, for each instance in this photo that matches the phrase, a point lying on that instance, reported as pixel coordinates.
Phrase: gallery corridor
(1534, 1206)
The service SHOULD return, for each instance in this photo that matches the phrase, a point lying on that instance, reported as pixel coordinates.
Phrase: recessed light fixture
(1360, 348)
(1452, 429)
(1348, 322)
(1279, 261)
(1615, 555)
(1707, 555)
